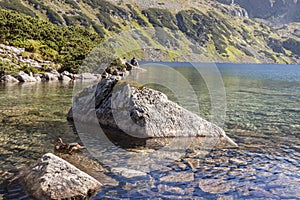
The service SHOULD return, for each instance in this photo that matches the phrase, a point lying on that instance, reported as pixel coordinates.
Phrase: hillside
(213, 31)
(279, 11)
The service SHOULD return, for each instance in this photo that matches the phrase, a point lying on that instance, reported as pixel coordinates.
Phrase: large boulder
(54, 178)
(139, 111)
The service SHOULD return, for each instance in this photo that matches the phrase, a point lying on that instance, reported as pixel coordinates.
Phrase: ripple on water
(262, 117)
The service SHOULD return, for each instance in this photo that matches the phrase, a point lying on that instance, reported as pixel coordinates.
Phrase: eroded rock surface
(54, 178)
(140, 112)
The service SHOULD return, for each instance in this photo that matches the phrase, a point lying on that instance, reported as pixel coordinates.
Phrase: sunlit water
(263, 117)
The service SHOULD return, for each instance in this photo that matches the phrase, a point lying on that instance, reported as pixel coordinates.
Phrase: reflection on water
(263, 117)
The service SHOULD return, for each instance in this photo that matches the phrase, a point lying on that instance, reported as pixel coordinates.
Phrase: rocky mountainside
(283, 11)
(212, 30)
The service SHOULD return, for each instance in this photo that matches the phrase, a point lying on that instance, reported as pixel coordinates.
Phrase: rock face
(55, 178)
(141, 112)
(283, 10)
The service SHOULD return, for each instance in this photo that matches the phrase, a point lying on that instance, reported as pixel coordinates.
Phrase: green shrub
(7, 68)
(29, 69)
(66, 46)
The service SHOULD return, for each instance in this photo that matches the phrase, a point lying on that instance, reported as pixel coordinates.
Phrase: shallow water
(262, 116)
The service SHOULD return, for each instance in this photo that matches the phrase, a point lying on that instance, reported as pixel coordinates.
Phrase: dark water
(262, 116)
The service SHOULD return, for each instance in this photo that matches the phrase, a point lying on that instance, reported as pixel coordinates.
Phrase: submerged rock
(54, 178)
(128, 173)
(141, 112)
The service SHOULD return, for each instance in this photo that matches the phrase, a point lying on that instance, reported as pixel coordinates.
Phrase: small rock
(64, 78)
(52, 71)
(50, 77)
(54, 178)
(165, 189)
(66, 73)
(23, 77)
(37, 77)
(238, 161)
(181, 165)
(115, 73)
(128, 173)
(214, 186)
(176, 177)
(9, 79)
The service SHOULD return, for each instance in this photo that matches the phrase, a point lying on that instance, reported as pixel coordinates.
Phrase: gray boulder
(54, 178)
(51, 76)
(9, 79)
(64, 78)
(23, 77)
(141, 112)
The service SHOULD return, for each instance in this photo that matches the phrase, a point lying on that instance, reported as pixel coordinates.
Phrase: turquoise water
(262, 116)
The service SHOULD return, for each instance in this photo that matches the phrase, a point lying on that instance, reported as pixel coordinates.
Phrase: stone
(50, 76)
(9, 79)
(38, 77)
(176, 177)
(128, 173)
(66, 73)
(64, 78)
(215, 186)
(237, 161)
(142, 112)
(23, 77)
(54, 178)
(52, 71)
(165, 189)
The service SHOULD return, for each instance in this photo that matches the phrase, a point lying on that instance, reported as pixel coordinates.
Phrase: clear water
(263, 117)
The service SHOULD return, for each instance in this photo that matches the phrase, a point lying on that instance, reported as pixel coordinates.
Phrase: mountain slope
(283, 11)
(214, 31)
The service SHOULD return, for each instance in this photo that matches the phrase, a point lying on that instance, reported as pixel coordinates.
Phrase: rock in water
(9, 79)
(54, 178)
(141, 112)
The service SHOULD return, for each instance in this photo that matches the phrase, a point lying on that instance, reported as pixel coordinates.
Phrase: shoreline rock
(54, 178)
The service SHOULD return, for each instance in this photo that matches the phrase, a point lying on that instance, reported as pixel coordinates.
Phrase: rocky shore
(47, 69)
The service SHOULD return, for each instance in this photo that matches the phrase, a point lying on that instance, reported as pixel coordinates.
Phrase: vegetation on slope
(207, 30)
(65, 45)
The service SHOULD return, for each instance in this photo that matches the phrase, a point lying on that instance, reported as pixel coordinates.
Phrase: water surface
(262, 116)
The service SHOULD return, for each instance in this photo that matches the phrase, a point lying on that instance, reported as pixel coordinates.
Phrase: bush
(28, 69)
(67, 46)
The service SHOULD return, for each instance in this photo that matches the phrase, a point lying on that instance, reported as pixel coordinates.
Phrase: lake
(260, 112)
